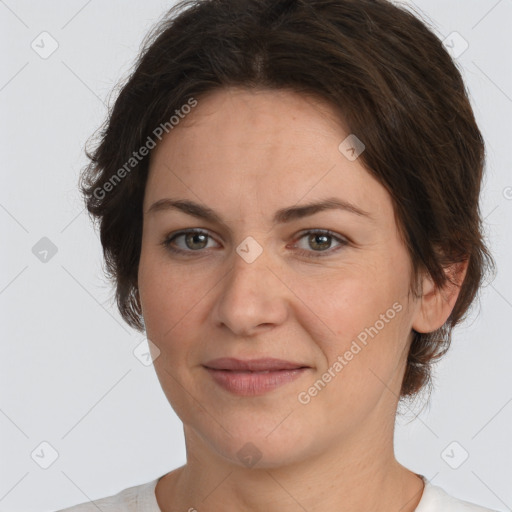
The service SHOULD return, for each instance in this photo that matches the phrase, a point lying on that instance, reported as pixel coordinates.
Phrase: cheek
(364, 314)
(175, 308)
(167, 300)
(167, 293)
(348, 300)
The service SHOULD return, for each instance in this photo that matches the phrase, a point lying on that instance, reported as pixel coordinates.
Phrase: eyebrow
(281, 216)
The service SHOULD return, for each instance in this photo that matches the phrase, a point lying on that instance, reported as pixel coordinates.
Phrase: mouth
(255, 376)
(267, 364)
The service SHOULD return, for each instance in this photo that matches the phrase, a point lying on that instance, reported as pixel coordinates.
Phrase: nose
(252, 296)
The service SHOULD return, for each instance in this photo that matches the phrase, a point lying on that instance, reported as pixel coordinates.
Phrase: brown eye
(195, 240)
(192, 241)
(320, 242)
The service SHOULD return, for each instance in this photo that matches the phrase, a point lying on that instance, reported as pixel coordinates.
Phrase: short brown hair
(398, 89)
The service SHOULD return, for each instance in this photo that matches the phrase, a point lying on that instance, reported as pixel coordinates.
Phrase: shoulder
(436, 499)
(139, 498)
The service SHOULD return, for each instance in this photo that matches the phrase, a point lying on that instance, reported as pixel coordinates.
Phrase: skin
(245, 154)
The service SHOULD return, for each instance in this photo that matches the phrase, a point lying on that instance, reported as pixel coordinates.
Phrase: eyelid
(343, 241)
(171, 237)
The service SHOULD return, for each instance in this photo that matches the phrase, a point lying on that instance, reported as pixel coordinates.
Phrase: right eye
(194, 240)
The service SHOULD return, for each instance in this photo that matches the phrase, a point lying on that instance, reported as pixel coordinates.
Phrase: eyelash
(310, 254)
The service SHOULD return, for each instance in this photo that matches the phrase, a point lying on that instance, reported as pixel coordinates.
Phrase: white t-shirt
(141, 498)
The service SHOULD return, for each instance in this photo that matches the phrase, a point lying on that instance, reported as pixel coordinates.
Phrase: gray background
(69, 376)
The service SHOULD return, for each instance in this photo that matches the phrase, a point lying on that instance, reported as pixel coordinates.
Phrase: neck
(343, 478)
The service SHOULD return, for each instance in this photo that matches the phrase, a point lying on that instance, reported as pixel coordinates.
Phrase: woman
(288, 197)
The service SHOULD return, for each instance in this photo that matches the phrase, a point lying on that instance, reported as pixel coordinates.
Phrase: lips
(262, 365)
(254, 376)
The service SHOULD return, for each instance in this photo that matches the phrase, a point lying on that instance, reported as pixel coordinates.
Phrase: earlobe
(436, 304)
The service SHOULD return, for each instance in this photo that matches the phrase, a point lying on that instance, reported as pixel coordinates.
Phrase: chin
(260, 448)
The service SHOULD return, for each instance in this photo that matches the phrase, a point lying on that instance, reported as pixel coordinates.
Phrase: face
(324, 289)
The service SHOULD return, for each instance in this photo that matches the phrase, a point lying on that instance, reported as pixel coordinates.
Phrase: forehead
(269, 117)
(273, 146)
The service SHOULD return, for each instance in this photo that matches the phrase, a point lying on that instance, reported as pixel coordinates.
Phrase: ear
(436, 304)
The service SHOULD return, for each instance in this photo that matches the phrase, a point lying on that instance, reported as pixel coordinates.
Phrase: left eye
(321, 239)
(196, 240)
